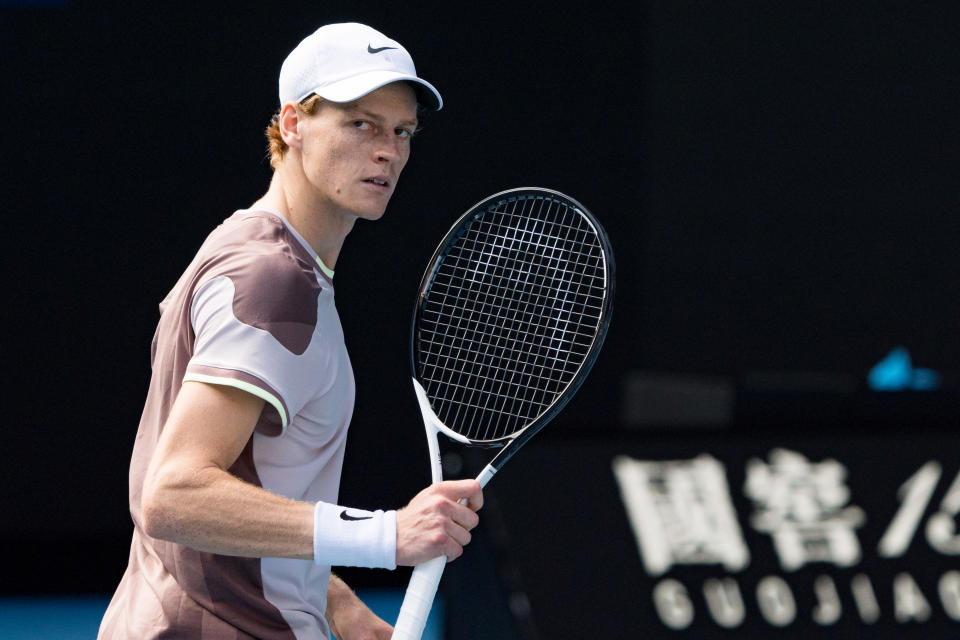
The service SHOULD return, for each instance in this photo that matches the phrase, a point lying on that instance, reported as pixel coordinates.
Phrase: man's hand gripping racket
(511, 314)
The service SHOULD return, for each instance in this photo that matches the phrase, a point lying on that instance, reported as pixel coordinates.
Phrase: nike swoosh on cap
(370, 49)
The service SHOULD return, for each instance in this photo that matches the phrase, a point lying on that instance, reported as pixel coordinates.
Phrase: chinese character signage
(682, 512)
(719, 536)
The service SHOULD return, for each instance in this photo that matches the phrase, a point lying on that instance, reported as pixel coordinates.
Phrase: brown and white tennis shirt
(254, 310)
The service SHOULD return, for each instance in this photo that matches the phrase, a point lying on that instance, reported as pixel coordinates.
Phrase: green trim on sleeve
(243, 386)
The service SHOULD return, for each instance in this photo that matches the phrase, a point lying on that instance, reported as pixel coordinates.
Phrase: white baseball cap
(344, 62)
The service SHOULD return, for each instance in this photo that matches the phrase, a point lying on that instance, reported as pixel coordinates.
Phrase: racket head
(512, 310)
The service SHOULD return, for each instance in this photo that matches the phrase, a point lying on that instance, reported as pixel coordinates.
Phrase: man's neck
(322, 227)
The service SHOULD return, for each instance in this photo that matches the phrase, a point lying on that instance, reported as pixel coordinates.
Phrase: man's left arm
(349, 618)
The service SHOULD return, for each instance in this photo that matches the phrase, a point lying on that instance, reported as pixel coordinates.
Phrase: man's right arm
(191, 498)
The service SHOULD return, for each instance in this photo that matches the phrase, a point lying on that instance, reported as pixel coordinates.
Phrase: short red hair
(276, 147)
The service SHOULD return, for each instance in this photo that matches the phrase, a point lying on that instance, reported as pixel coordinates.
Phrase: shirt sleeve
(253, 327)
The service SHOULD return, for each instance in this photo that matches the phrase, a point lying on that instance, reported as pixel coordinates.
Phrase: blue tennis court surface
(64, 618)
(78, 617)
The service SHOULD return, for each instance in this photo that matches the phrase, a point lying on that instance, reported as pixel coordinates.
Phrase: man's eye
(363, 125)
(404, 133)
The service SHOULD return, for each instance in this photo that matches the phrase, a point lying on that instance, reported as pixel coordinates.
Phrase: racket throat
(433, 426)
(485, 475)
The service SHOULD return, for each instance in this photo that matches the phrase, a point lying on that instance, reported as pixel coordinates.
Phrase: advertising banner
(715, 536)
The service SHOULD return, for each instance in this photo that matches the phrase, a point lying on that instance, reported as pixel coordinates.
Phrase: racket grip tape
(418, 600)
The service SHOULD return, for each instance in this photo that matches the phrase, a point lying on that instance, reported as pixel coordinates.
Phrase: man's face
(353, 152)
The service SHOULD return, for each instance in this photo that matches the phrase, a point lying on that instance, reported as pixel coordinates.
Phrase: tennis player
(235, 471)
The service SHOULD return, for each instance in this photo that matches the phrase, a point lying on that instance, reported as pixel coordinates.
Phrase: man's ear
(289, 123)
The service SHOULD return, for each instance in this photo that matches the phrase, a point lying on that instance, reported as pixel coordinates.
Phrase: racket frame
(512, 442)
(425, 579)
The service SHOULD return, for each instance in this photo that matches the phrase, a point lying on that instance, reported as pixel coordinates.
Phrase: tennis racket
(511, 314)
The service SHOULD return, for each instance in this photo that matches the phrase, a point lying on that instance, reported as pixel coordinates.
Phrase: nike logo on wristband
(370, 49)
(349, 518)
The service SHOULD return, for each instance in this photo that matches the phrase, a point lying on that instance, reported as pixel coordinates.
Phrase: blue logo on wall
(897, 373)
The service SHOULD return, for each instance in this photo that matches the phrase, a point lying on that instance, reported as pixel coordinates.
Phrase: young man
(236, 466)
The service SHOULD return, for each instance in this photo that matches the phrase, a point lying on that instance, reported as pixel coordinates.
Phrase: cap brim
(355, 87)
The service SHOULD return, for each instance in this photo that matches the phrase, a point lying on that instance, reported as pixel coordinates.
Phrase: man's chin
(372, 210)
(372, 213)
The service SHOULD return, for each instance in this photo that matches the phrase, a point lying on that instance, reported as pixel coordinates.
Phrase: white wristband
(345, 537)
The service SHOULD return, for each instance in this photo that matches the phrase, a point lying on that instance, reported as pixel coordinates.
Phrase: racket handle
(418, 600)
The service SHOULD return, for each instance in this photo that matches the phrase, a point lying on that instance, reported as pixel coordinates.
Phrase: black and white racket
(511, 314)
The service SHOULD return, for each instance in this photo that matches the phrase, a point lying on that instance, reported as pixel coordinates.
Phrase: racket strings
(509, 404)
(514, 397)
(511, 315)
(499, 393)
(481, 374)
(505, 284)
